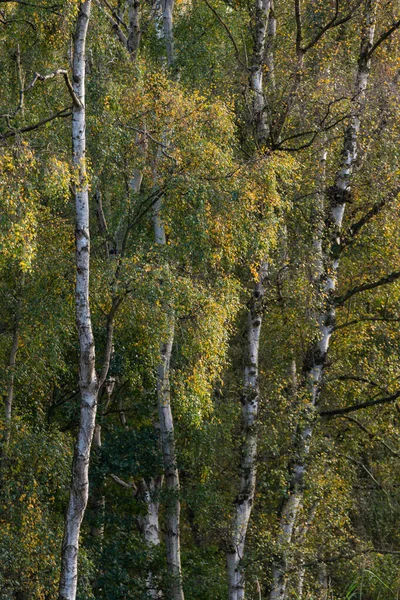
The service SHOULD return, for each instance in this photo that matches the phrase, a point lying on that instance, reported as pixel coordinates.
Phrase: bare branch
(61, 114)
(362, 319)
(334, 22)
(371, 434)
(224, 25)
(336, 412)
(124, 484)
(340, 300)
(38, 77)
(114, 23)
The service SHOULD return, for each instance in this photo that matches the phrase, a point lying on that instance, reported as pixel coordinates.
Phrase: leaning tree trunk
(329, 245)
(248, 465)
(88, 382)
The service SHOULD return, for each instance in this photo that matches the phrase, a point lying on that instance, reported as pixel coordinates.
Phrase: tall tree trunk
(248, 465)
(167, 432)
(325, 285)
(88, 381)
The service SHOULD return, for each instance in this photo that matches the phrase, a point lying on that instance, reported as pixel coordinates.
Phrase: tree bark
(248, 465)
(8, 402)
(327, 243)
(135, 33)
(173, 506)
(148, 493)
(167, 15)
(270, 47)
(262, 10)
(88, 381)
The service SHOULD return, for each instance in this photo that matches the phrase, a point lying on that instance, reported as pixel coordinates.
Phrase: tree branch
(114, 23)
(384, 37)
(109, 343)
(61, 114)
(335, 412)
(299, 29)
(340, 300)
(356, 227)
(224, 25)
(124, 484)
(38, 77)
(371, 434)
(362, 319)
(334, 22)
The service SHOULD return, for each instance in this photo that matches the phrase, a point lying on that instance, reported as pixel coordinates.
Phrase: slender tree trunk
(8, 402)
(173, 506)
(329, 246)
(148, 493)
(248, 466)
(168, 34)
(270, 46)
(88, 381)
(133, 40)
(262, 9)
(167, 432)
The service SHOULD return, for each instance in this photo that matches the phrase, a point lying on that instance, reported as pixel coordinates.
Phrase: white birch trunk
(8, 402)
(173, 506)
(168, 33)
(148, 492)
(270, 46)
(262, 9)
(337, 197)
(248, 466)
(133, 40)
(167, 434)
(87, 378)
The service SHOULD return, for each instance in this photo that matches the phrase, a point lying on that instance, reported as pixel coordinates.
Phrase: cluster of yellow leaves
(18, 206)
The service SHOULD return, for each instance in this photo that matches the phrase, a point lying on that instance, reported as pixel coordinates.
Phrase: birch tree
(327, 266)
(88, 380)
(248, 466)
